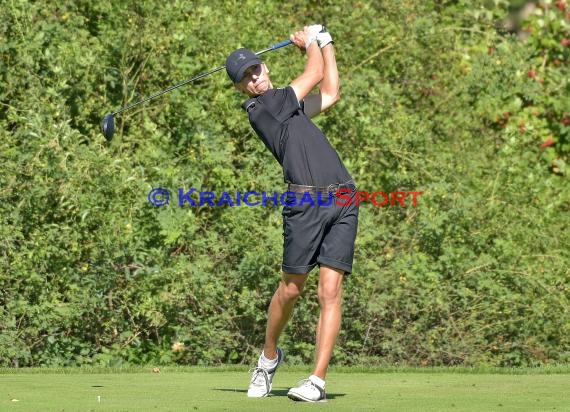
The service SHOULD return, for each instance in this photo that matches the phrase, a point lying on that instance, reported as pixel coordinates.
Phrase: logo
(158, 197)
(342, 197)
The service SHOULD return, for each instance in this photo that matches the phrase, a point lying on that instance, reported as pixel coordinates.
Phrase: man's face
(255, 80)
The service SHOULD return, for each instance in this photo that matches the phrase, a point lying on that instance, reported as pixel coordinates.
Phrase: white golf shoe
(307, 391)
(261, 379)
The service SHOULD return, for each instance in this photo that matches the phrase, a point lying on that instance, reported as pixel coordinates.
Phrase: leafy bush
(438, 97)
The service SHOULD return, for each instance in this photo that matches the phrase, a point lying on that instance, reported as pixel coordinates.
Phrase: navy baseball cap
(239, 61)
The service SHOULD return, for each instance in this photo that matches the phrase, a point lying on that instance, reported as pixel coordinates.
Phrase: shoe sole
(260, 396)
(297, 397)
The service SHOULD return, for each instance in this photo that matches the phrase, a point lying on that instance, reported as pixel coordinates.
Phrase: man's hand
(303, 39)
(314, 31)
(324, 37)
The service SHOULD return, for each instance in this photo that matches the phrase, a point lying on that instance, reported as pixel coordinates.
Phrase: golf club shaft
(167, 90)
(273, 47)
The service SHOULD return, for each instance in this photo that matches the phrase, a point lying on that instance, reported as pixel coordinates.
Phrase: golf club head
(108, 126)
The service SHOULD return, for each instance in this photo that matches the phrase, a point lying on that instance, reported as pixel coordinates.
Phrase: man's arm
(314, 66)
(330, 85)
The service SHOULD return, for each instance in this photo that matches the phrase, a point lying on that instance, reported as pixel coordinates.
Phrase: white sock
(265, 363)
(317, 381)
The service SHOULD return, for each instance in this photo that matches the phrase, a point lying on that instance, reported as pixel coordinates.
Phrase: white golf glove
(313, 32)
(324, 38)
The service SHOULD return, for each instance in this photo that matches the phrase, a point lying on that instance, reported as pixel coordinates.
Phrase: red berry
(561, 4)
(565, 42)
(531, 73)
(547, 143)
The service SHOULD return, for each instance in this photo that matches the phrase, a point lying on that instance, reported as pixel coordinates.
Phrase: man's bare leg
(330, 300)
(280, 310)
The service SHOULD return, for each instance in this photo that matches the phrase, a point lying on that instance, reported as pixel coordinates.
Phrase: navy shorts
(317, 232)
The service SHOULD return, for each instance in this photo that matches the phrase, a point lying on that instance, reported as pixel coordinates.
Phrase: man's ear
(266, 68)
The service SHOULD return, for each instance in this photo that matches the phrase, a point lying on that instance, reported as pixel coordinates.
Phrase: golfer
(314, 235)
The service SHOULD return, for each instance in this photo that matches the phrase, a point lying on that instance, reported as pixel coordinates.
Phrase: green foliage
(437, 97)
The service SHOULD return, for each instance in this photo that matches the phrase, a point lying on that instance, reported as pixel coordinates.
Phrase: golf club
(108, 122)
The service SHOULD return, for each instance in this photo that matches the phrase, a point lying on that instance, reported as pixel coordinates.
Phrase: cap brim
(246, 65)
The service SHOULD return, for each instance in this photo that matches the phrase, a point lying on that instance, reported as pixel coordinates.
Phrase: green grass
(224, 389)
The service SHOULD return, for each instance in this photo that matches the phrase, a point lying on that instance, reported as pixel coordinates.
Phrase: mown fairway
(191, 389)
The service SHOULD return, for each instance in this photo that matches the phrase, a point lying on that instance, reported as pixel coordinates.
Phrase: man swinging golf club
(320, 235)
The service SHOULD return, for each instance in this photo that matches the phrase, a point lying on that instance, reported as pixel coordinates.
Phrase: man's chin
(264, 87)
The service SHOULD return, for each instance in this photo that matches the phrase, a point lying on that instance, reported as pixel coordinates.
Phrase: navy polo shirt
(299, 146)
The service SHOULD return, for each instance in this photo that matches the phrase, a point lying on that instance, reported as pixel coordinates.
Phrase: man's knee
(292, 286)
(330, 286)
(329, 293)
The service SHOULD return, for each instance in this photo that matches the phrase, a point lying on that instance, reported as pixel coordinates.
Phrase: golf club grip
(276, 46)
(282, 44)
